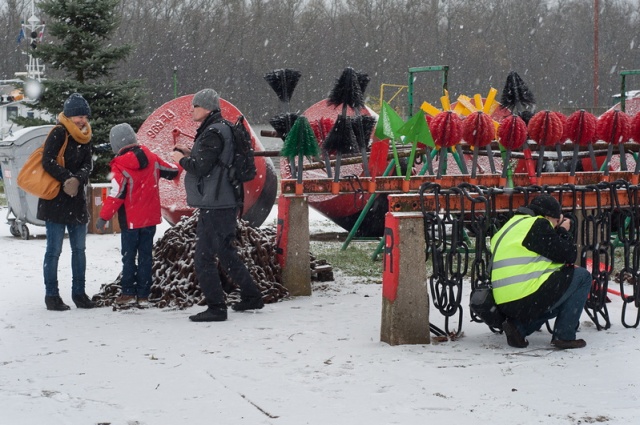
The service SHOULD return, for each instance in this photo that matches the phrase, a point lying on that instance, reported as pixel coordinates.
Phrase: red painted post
(405, 298)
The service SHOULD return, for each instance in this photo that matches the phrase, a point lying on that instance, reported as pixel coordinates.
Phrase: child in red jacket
(135, 197)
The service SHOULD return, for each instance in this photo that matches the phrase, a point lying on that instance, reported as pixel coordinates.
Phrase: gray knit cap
(207, 99)
(121, 136)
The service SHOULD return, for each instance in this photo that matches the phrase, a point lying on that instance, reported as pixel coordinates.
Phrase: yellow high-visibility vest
(516, 271)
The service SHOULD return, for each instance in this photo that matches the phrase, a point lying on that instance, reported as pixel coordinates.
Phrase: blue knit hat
(75, 106)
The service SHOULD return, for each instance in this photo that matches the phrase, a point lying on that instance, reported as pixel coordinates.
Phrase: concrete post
(405, 297)
(293, 244)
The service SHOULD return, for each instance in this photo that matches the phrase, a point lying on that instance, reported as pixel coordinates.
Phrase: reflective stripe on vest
(516, 271)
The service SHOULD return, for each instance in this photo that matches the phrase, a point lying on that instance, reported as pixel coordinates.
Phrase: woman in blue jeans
(68, 210)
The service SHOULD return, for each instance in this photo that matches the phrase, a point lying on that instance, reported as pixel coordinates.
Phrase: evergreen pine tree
(85, 60)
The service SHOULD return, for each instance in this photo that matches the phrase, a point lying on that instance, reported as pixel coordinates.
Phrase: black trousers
(215, 234)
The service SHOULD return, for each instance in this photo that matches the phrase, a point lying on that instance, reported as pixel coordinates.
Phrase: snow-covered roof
(629, 94)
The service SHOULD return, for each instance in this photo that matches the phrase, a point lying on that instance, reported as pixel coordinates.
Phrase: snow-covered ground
(308, 360)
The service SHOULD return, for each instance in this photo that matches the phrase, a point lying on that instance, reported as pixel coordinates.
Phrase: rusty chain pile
(598, 229)
(174, 279)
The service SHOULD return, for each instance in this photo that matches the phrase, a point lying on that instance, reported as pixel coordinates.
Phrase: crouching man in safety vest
(533, 275)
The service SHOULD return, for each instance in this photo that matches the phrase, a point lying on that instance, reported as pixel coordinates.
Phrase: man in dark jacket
(533, 275)
(208, 188)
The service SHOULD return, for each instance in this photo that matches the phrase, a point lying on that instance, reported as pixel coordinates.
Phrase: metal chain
(596, 235)
(479, 226)
(628, 236)
(435, 238)
(446, 288)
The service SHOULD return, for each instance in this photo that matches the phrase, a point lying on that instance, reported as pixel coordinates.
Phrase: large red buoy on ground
(171, 124)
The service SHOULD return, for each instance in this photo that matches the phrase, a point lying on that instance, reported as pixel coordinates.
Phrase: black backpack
(483, 305)
(242, 168)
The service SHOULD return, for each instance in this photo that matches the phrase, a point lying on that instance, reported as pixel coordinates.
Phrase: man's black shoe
(254, 303)
(55, 303)
(210, 315)
(83, 301)
(514, 338)
(569, 344)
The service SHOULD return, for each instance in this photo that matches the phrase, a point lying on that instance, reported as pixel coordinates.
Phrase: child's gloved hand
(101, 224)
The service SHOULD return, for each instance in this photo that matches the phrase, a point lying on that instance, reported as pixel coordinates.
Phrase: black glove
(70, 186)
(101, 224)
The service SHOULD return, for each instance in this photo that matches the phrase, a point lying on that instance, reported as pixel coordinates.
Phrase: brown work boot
(514, 338)
(569, 344)
(124, 300)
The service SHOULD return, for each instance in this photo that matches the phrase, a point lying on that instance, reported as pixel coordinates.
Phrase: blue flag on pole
(21, 36)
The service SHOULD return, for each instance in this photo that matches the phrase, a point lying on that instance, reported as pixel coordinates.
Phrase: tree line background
(229, 45)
